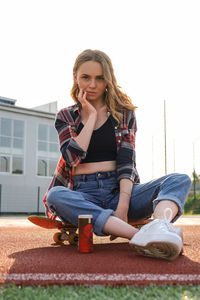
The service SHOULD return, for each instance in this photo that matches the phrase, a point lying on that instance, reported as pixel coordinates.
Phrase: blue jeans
(98, 195)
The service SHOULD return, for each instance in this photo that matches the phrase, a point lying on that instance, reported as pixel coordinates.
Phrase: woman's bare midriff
(89, 168)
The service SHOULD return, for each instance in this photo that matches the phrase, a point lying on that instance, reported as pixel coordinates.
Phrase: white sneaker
(179, 232)
(159, 239)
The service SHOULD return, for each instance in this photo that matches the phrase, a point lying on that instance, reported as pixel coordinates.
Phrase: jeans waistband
(94, 176)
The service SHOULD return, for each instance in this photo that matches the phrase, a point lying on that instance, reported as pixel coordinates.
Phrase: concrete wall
(25, 192)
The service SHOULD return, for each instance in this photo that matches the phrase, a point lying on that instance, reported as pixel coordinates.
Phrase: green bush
(192, 205)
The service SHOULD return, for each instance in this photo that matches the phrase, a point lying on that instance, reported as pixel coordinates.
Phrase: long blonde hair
(115, 99)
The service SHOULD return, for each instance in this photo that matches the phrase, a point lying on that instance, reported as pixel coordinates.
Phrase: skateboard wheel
(73, 238)
(57, 238)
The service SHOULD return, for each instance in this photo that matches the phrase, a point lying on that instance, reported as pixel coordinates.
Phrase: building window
(48, 150)
(4, 163)
(11, 146)
(17, 165)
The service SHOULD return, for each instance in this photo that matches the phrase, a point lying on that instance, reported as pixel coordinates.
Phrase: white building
(29, 153)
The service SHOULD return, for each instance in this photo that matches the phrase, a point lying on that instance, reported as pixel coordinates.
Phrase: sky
(154, 46)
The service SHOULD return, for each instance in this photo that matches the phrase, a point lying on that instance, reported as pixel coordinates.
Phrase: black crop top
(102, 145)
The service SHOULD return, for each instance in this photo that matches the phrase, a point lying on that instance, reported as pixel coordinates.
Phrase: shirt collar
(77, 108)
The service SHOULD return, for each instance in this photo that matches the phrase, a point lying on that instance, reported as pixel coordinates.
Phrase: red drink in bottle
(85, 228)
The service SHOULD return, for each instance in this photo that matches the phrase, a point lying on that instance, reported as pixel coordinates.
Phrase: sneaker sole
(168, 251)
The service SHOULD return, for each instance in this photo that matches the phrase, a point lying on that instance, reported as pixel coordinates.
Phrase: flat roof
(26, 111)
(9, 101)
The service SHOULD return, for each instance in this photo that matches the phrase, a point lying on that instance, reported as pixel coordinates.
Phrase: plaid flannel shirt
(67, 122)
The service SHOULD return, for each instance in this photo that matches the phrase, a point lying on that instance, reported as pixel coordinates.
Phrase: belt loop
(84, 179)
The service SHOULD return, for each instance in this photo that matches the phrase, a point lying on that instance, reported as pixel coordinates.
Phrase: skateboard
(68, 232)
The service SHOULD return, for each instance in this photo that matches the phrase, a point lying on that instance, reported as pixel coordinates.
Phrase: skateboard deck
(47, 223)
(67, 231)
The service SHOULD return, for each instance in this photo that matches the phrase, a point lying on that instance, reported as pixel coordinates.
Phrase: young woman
(97, 172)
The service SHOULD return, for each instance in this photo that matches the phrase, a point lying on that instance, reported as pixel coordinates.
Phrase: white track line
(90, 277)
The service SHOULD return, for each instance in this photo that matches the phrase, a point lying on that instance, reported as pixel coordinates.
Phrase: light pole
(194, 167)
(174, 154)
(165, 137)
(194, 154)
(152, 157)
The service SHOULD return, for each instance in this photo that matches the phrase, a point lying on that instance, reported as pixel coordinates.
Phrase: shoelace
(167, 220)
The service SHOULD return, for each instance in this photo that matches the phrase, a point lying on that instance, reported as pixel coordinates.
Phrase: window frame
(48, 158)
(12, 152)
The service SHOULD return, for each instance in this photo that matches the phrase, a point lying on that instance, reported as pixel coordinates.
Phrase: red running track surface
(28, 256)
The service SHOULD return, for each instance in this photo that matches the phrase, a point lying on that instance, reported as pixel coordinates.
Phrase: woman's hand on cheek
(85, 104)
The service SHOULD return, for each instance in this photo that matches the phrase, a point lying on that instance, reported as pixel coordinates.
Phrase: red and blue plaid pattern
(67, 122)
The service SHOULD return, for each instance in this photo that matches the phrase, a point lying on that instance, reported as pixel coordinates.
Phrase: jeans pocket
(83, 186)
(76, 186)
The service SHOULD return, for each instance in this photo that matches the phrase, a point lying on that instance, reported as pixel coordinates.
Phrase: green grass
(165, 292)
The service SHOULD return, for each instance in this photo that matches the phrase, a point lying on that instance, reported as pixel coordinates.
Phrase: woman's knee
(53, 195)
(187, 180)
(185, 183)
(181, 179)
